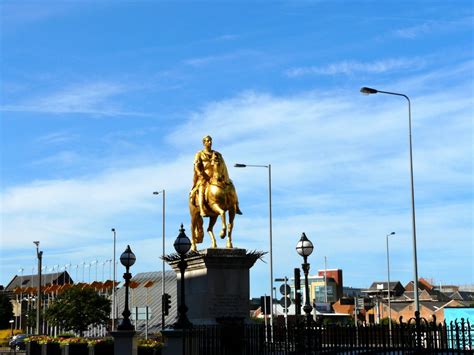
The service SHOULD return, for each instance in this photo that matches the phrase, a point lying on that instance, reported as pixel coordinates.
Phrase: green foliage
(76, 309)
(385, 321)
(6, 311)
(31, 317)
(257, 320)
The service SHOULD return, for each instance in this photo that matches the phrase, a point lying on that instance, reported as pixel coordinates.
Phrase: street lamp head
(156, 192)
(237, 165)
(127, 258)
(113, 229)
(304, 247)
(36, 242)
(393, 233)
(367, 91)
(182, 244)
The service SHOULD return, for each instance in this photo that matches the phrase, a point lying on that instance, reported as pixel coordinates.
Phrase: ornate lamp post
(182, 244)
(127, 259)
(304, 247)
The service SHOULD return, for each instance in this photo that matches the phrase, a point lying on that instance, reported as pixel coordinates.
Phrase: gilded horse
(219, 197)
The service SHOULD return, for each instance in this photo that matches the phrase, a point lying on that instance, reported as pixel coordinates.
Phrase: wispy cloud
(206, 60)
(59, 159)
(18, 14)
(92, 98)
(351, 67)
(429, 27)
(57, 138)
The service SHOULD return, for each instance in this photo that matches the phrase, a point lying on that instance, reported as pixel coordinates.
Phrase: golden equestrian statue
(212, 195)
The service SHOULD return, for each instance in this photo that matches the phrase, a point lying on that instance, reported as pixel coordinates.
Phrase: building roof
(147, 291)
(380, 286)
(398, 306)
(423, 295)
(462, 296)
(26, 281)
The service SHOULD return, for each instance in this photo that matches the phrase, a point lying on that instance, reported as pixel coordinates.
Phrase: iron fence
(413, 337)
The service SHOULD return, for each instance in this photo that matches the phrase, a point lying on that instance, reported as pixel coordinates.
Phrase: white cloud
(351, 67)
(430, 27)
(57, 138)
(211, 59)
(340, 173)
(91, 98)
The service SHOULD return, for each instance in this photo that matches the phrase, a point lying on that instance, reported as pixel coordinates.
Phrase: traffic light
(166, 303)
(297, 291)
(265, 304)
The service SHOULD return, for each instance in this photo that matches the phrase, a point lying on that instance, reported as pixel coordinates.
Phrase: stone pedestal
(174, 342)
(125, 342)
(217, 285)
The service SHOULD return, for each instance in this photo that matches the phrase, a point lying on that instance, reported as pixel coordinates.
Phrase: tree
(31, 318)
(76, 309)
(6, 311)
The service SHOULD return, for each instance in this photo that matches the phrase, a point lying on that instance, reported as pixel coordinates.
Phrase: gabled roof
(423, 295)
(422, 285)
(380, 286)
(462, 296)
(398, 306)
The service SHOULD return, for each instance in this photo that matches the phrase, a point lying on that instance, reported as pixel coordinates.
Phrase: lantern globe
(127, 258)
(182, 244)
(304, 247)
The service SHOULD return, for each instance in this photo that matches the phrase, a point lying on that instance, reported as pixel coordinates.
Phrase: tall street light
(388, 288)
(368, 91)
(163, 289)
(114, 315)
(269, 167)
(39, 255)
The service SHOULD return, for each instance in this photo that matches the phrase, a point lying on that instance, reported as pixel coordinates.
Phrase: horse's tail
(197, 231)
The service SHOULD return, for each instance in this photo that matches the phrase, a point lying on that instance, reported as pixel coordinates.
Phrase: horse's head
(218, 167)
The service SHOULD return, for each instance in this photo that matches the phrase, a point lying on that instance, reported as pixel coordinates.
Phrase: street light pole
(388, 288)
(163, 288)
(127, 259)
(39, 255)
(113, 282)
(368, 91)
(304, 247)
(269, 167)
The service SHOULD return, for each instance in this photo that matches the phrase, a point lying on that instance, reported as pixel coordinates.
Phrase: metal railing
(415, 336)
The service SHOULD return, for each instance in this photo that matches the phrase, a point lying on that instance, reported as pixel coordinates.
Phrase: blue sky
(104, 102)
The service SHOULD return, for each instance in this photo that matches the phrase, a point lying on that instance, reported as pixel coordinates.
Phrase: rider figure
(203, 171)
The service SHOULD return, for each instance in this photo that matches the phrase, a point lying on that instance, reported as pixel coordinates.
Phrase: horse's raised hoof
(223, 234)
